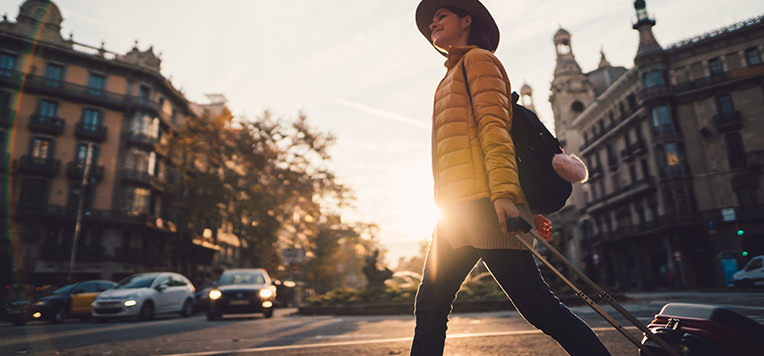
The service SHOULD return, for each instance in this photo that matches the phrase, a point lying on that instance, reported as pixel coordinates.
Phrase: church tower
(571, 91)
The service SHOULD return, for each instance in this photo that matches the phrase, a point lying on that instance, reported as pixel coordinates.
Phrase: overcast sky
(361, 70)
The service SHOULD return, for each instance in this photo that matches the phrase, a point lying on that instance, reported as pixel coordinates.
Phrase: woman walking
(477, 187)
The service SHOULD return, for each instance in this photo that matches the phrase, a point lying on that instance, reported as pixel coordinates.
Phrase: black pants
(517, 274)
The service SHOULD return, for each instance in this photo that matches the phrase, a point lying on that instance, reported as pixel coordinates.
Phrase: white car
(752, 274)
(144, 295)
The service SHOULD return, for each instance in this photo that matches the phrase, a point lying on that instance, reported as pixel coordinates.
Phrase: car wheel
(188, 309)
(147, 311)
(58, 316)
(269, 313)
(213, 316)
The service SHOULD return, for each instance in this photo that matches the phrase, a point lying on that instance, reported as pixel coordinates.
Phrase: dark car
(16, 302)
(242, 291)
(69, 301)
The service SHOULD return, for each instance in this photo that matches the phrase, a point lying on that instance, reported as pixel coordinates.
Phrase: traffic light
(745, 253)
(739, 229)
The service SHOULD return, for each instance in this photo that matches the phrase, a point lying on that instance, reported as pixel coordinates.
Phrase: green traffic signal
(740, 232)
(745, 253)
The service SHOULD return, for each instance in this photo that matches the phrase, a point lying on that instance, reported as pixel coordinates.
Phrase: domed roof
(561, 35)
(41, 10)
(526, 89)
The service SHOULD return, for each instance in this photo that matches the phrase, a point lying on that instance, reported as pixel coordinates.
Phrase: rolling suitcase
(707, 330)
(679, 329)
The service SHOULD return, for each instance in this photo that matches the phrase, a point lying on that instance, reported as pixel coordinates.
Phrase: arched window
(577, 107)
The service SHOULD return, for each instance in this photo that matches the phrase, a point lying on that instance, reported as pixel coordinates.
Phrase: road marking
(359, 342)
(40, 332)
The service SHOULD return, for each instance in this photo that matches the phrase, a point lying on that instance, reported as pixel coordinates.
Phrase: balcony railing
(90, 132)
(48, 167)
(675, 171)
(728, 121)
(654, 92)
(6, 118)
(143, 140)
(75, 170)
(78, 92)
(702, 82)
(47, 125)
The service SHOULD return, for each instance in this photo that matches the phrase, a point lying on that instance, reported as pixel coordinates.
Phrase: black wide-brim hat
(479, 14)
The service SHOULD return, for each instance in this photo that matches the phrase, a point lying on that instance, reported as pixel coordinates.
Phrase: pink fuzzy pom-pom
(570, 168)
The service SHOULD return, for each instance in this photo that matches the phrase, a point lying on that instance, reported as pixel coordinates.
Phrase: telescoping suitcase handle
(519, 224)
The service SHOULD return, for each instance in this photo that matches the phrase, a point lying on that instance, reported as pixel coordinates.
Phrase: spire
(526, 97)
(644, 24)
(566, 61)
(603, 61)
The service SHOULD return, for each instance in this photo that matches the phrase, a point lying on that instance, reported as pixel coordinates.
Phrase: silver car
(145, 295)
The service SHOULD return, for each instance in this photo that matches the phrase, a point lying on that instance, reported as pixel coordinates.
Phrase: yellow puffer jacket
(473, 158)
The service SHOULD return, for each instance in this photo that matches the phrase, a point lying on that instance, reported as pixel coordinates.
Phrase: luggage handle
(520, 224)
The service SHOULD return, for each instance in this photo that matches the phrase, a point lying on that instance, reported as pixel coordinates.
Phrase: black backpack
(535, 147)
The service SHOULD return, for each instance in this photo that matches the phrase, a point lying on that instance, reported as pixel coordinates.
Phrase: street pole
(80, 203)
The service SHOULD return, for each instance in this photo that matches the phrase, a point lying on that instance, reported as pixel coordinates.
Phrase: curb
(408, 308)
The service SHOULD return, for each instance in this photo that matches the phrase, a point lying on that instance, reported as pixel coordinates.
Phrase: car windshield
(241, 277)
(65, 289)
(136, 281)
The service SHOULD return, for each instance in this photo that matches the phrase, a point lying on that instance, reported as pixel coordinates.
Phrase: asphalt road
(494, 333)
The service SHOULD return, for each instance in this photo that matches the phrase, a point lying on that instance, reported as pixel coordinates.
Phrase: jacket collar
(455, 54)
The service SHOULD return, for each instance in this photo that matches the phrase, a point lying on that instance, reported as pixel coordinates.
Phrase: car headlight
(215, 294)
(130, 302)
(266, 293)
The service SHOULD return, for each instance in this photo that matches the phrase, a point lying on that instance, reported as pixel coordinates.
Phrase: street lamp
(80, 203)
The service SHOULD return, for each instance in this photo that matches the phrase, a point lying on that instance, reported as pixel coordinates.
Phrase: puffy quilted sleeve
(490, 89)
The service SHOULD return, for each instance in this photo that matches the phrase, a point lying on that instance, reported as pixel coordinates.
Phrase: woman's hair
(478, 35)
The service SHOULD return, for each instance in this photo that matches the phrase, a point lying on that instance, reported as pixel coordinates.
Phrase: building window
(145, 125)
(652, 78)
(753, 57)
(735, 150)
(81, 154)
(724, 104)
(92, 120)
(671, 160)
(715, 67)
(174, 116)
(662, 122)
(96, 84)
(577, 107)
(54, 73)
(7, 64)
(137, 200)
(47, 109)
(141, 161)
(41, 148)
(645, 169)
(34, 192)
(144, 93)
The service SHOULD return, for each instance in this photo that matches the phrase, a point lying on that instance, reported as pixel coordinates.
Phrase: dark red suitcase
(679, 330)
(697, 329)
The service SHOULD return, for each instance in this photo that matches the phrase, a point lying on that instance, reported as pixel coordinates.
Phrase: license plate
(239, 302)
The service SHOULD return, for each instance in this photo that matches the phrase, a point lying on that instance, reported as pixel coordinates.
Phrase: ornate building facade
(68, 108)
(674, 197)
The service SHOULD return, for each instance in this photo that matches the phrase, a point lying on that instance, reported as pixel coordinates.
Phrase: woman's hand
(543, 226)
(505, 208)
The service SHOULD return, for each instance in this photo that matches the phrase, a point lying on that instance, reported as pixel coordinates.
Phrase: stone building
(674, 197)
(67, 107)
